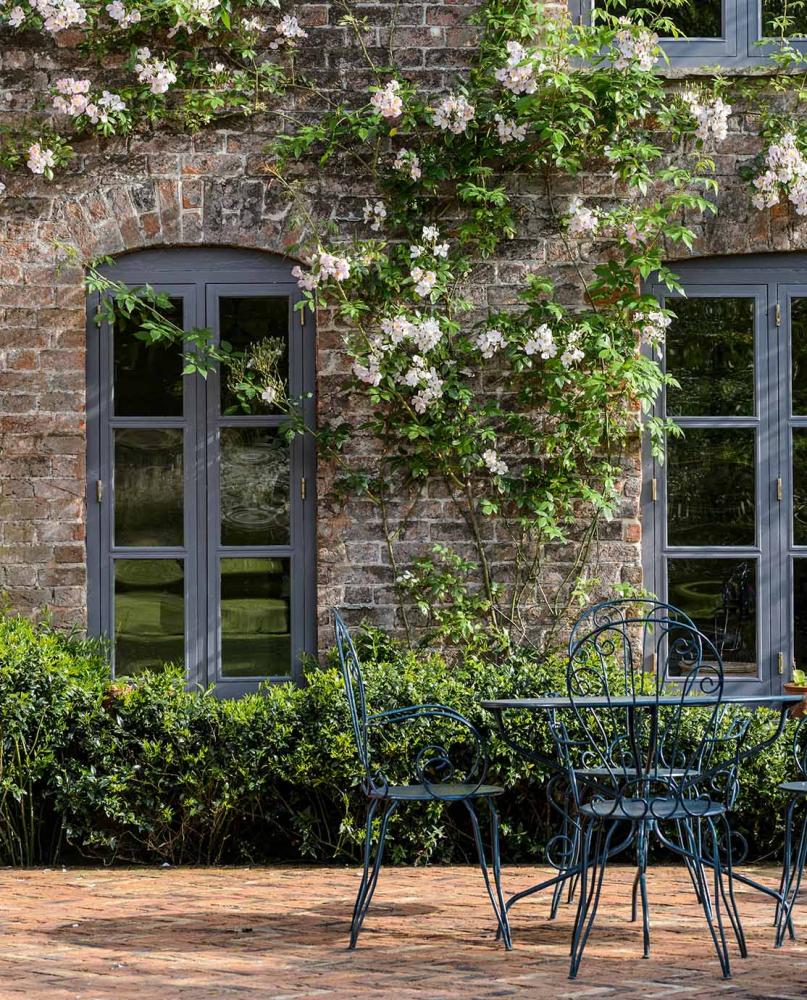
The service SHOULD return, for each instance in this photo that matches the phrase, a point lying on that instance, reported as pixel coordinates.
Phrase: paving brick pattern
(280, 933)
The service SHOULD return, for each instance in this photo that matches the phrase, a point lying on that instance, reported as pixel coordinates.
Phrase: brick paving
(280, 933)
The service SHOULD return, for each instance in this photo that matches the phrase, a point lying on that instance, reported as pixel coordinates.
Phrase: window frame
(781, 276)
(736, 49)
(197, 271)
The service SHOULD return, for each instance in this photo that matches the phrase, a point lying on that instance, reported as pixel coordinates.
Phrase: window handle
(780, 495)
(99, 490)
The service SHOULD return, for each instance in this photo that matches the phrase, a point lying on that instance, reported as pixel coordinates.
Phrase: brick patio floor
(279, 933)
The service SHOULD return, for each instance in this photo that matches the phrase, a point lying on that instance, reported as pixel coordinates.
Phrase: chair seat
(795, 787)
(420, 793)
(652, 808)
(620, 772)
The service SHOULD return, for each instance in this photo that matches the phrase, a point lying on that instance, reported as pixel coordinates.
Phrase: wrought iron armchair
(793, 866)
(439, 778)
(636, 767)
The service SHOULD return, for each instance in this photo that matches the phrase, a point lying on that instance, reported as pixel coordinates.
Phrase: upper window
(716, 32)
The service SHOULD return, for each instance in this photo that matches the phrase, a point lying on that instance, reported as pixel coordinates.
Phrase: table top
(642, 701)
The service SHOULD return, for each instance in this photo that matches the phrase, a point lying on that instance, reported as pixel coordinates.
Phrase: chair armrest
(433, 764)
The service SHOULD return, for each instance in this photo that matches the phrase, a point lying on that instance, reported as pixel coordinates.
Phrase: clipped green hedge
(149, 772)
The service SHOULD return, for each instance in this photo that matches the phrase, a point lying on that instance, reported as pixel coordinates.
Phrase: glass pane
(696, 19)
(255, 617)
(148, 487)
(147, 377)
(719, 595)
(800, 486)
(711, 487)
(798, 348)
(149, 614)
(786, 18)
(254, 487)
(800, 613)
(710, 351)
(258, 330)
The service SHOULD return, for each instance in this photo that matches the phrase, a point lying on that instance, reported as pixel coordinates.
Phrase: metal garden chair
(637, 766)
(793, 865)
(438, 778)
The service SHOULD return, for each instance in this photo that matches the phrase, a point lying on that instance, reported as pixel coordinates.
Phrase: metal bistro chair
(563, 852)
(438, 779)
(645, 767)
(793, 867)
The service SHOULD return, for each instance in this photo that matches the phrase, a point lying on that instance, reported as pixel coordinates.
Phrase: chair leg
(718, 893)
(372, 867)
(571, 856)
(640, 887)
(497, 901)
(695, 846)
(589, 896)
(795, 875)
(730, 900)
(785, 879)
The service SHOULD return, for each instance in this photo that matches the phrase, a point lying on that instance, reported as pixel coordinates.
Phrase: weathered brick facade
(212, 189)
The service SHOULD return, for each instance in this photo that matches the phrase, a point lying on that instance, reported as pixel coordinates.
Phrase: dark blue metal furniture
(439, 778)
(636, 764)
(793, 866)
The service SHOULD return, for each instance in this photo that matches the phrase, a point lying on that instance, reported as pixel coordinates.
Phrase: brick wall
(212, 189)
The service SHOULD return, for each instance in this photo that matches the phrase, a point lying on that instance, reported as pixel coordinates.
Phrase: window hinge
(779, 490)
(654, 489)
(99, 490)
(781, 662)
(778, 314)
(302, 487)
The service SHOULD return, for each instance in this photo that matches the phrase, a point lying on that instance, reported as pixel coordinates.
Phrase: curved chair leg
(589, 896)
(785, 879)
(719, 892)
(640, 887)
(500, 907)
(372, 867)
(730, 900)
(795, 876)
(695, 846)
(573, 857)
(689, 862)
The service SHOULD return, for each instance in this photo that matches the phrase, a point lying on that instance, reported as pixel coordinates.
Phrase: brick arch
(176, 211)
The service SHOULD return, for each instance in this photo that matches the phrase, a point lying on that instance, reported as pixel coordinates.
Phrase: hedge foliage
(149, 772)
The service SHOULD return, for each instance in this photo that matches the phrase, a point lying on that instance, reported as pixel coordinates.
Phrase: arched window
(725, 516)
(200, 512)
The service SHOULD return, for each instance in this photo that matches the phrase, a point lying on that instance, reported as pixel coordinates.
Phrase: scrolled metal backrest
(639, 759)
(354, 690)
(800, 746)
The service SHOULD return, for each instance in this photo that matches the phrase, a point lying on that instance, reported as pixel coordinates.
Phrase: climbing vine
(518, 418)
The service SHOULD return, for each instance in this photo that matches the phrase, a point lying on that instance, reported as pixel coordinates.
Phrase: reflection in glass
(800, 486)
(255, 617)
(254, 486)
(147, 377)
(148, 487)
(710, 351)
(149, 614)
(720, 596)
(798, 348)
(784, 19)
(251, 325)
(711, 487)
(697, 19)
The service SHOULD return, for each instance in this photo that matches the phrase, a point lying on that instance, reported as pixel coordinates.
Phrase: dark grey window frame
(774, 279)
(198, 275)
(738, 48)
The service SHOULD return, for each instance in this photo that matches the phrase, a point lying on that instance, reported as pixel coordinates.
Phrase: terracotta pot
(797, 710)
